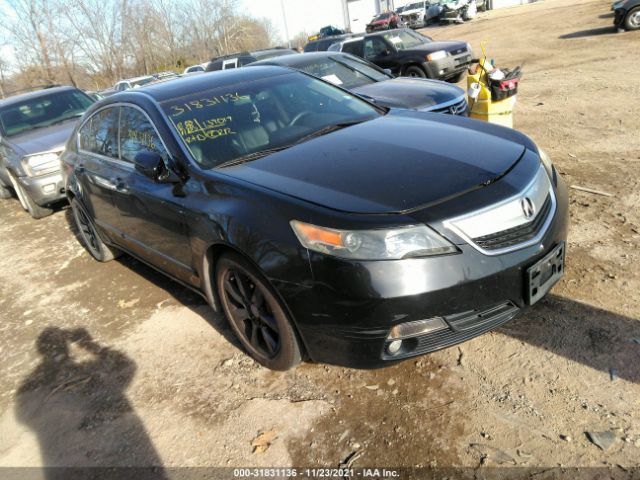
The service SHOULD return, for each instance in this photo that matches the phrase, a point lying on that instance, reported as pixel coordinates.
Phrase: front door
(152, 217)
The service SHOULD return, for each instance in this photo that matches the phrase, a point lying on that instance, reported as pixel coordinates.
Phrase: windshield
(223, 125)
(382, 16)
(342, 71)
(403, 39)
(43, 111)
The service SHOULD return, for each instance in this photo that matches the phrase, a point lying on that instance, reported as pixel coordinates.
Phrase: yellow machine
(482, 106)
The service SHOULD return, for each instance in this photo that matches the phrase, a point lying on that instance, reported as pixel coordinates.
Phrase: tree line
(92, 44)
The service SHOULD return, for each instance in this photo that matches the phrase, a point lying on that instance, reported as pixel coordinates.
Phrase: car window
(137, 134)
(99, 134)
(141, 82)
(374, 47)
(403, 39)
(220, 125)
(354, 48)
(331, 70)
(364, 67)
(43, 111)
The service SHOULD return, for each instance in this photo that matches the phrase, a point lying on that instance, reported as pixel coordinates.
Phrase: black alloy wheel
(92, 241)
(255, 314)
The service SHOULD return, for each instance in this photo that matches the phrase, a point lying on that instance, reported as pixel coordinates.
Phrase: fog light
(419, 327)
(394, 347)
(49, 188)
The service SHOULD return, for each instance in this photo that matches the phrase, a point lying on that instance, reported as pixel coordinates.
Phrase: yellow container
(483, 108)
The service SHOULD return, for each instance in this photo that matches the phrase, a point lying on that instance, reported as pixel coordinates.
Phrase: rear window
(403, 39)
(43, 111)
(221, 125)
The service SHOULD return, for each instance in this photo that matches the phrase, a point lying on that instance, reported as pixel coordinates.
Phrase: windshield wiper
(329, 129)
(251, 156)
(62, 120)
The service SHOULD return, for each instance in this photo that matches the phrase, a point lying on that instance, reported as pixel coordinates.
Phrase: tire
(255, 314)
(415, 71)
(632, 20)
(5, 193)
(35, 210)
(90, 238)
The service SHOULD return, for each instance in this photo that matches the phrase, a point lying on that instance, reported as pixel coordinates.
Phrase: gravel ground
(115, 365)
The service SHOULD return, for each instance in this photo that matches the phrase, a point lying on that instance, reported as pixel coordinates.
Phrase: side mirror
(152, 166)
(388, 72)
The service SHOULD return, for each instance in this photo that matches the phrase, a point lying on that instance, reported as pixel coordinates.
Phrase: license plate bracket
(545, 273)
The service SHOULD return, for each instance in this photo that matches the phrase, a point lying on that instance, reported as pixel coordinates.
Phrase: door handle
(80, 168)
(118, 183)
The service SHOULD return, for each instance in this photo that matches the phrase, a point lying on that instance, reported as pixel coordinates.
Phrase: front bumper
(414, 20)
(449, 66)
(619, 16)
(346, 316)
(45, 189)
(377, 28)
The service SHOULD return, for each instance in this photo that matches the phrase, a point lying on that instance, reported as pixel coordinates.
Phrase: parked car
(33, 130)
(420, 14)
(237, 60)
(627, 14)
(135, 82)
(411, 54)
(194, 68)
(460, 11)
(323, 44)
(328, 31)
(384, 21)
(322, 225)
(374, 84)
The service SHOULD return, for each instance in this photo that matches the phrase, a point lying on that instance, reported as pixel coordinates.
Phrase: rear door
(151, 215)
(97, 152)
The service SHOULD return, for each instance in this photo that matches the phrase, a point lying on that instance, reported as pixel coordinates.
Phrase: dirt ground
(153, 377)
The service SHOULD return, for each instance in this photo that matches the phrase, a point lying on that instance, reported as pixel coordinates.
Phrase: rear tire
(255, 314)
(89, 235)
(415, 71)
(5, 193)
(632, 20)
(35, 210)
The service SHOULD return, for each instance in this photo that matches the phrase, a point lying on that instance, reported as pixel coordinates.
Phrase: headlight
(41, 164)
(391, 244)
(436, 55)
(546, 161)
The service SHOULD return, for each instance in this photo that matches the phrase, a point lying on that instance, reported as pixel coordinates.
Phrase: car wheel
(414, 71)
(632, 20)
(90, 237)
(255, 314)
(5, 192)
(35, 210)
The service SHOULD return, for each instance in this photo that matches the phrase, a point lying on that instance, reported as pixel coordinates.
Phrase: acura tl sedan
(374, 84)
(323, 226)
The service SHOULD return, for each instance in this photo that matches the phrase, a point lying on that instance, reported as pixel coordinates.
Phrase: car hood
(436, 46)
(414, 11)
(47, 139)
(401, 161)
(407, 92)
(379, 22)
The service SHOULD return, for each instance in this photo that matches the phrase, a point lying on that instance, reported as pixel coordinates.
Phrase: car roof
(32, 95)
(384, 32)
(185, 86)
(292, 60)
(135, 79)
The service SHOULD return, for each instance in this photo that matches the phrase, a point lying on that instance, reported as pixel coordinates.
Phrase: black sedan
(323, 226)
(627, 14)
(371, 82)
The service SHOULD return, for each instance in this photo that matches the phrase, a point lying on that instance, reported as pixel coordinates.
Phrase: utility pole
(345, 15)
(286, 27)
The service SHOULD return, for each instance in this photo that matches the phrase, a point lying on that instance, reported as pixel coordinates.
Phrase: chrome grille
(459, 108)
(516, 235)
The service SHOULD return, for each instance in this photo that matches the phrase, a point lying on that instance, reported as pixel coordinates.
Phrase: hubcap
(251, 313)
(87, 231)
(635, 19)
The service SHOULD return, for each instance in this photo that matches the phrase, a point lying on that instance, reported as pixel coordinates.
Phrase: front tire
(35, 210)
(255, 314)
(90, 237)
(415, 71)
(632, 20)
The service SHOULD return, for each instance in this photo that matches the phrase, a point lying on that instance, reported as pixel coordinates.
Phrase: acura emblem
(528, 208)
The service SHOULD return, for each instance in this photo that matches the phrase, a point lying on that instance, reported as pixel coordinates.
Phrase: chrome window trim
(450, 224)
(118, 161)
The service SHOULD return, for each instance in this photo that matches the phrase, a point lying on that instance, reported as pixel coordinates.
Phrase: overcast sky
(307, 15)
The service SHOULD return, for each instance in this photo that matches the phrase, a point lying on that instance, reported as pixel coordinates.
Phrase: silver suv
(34, 128)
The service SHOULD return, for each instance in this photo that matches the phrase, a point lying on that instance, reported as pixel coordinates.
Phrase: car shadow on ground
(592, 32)
(581, 333)
(180, 293)
(74, 401)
